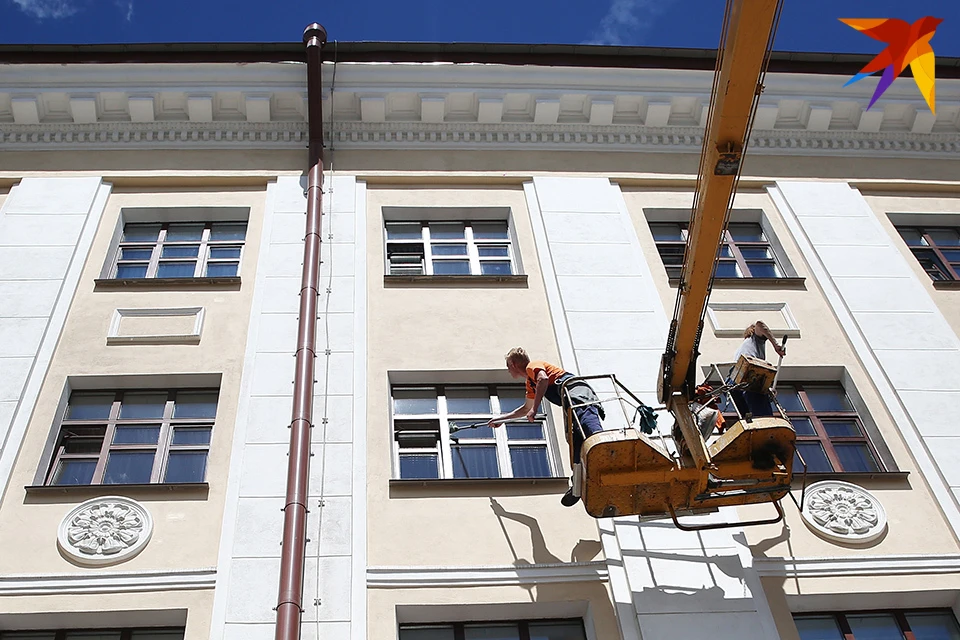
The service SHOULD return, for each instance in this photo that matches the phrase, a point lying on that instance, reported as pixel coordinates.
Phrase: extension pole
(293, 552)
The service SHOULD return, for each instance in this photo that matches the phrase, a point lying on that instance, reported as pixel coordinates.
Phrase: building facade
(151, 247)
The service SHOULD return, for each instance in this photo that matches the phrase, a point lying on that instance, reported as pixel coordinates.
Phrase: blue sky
(807, 25)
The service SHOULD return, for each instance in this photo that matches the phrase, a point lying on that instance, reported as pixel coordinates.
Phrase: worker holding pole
(544, 380)
(755, 403)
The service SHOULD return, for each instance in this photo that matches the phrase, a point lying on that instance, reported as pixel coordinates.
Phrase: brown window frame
(161, 450)
(941, 264)
(817, 418)
(900, 615)
(523, 626)
(62, 634)
(202, 259)
(733, 247)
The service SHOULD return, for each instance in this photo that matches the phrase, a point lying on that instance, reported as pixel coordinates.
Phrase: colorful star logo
(908, 44)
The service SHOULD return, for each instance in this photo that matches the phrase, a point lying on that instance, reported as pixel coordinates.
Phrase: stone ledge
(753, 283)
(225, 284)
(454, 281)
(38, 494)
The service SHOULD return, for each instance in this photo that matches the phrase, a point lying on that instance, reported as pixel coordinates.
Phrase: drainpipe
(289, 609)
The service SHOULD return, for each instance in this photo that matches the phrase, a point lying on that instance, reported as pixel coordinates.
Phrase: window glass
(818, 628)
(815, 457)
(222, 269)
(746, 232)
(180, 251)
(427, 633)
(228, 231)
(184, 232)
(128, 467)
(414, 400)
(511, 399)
(842, 428)
(176, 269)
(473, 432)
(763, 270)
(495, 268)
(490, 231)
(879, 626)
(468, 400)
(855, 457)
(188, 436)
(92, 635)
(90, 406)
(83, 440)
(128, 253)
(933, 626)
(74, 472)
(132, 271)
(756, 253)
(186, 466)
(912, 236)
(525, 431)
(828, 399)
(136, 435)
(475, 461)
(27, 635)
(493, 250)
(451, 267)
(141, 232)
(944, 237)
(404, 231)
(491, 632)
(419, 466)
(789, 399)
(556, 631)
(529, 461)
(192, 404)
(446, 230)
(803, 427)
(220, 253)
(668, 232)
(727, 270)
(142, 405)
(449, 249)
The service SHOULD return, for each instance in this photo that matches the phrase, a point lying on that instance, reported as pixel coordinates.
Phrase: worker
(543, 380)
(754, 403)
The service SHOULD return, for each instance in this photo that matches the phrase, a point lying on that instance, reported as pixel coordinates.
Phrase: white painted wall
(608, 318)
(250, 545)
(902, 338)
(46, 228)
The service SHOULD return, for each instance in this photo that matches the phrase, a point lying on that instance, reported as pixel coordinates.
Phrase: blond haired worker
(543, 380)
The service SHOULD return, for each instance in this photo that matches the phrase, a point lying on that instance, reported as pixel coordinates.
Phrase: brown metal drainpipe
(289, 609)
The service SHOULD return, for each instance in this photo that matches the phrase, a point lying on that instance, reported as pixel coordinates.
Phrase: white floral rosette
(843, 512)
(105, 531)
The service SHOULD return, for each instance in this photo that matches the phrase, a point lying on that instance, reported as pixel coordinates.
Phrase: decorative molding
(116, 582)
(422, 577)
(843, 512)
(462, 136)
(789, 326)
(114, 335)
(104, 531)
(857, 566)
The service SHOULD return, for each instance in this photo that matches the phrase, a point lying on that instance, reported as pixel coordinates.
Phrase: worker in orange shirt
(543, 381)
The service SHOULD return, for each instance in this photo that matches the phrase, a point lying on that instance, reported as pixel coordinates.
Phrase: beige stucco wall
(30, 521)
(822, 343)
(920, 202)
(115, 609)
(591, 600)
(423, 328)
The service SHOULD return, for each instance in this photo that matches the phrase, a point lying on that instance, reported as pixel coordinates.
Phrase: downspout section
(293, 553)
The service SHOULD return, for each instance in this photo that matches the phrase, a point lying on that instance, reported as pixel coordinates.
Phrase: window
(937, 249)
(522, 630)
(449, 249)
(928, 624)
(95, 634)
(424, 416)
(134, 437)
(180, 250)
(830, 434)
(744, 253)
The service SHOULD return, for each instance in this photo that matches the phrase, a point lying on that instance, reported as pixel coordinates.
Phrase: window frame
(202, 260)
(523, 626)
(444, 447)
(817, 418)
(944, 266)
(734, 247)
(473, 258)
(126, 633)
(164, 446)
(900, 615)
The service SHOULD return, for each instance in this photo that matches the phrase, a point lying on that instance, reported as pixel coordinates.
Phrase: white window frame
(444, 450)
(473, 257)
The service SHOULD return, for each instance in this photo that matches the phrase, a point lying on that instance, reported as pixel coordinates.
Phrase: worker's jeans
(589, 418)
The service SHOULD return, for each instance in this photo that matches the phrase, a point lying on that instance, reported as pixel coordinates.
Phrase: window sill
(855, 477)
(219, 284)
(947, 285)
(753, 283)
(455, 281)
(476, 487)
(51, 493)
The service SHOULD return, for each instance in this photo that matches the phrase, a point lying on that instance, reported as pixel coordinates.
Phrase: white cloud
(47, 8)
(126, 8)
(627, 21)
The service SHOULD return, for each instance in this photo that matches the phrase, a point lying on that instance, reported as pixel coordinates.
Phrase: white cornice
(857, 566)
(103, 582)
(421, 577)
